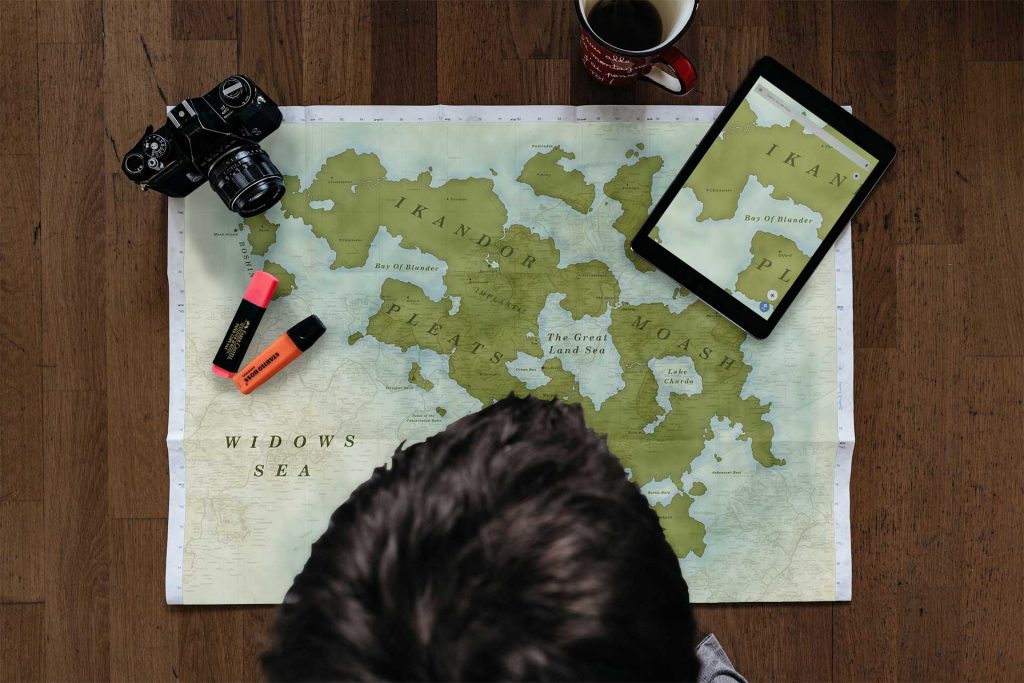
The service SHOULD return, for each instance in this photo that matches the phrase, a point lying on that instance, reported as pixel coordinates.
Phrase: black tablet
(763, 198)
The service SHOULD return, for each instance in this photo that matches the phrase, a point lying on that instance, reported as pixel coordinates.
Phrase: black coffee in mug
(633, 25)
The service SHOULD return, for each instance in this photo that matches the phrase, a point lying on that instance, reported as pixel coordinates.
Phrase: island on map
(285, 280)
(549, 178)
(631, 188)
(416, 378)
(262, 234)
(775, 262)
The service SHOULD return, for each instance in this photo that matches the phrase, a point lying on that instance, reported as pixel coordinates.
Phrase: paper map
(457, 254)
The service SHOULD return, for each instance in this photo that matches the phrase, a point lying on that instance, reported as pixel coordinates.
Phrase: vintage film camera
(215, 138)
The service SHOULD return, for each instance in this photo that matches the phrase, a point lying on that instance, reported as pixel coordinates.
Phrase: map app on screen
(758, 205)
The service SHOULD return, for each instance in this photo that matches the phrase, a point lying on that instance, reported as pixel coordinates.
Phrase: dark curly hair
(511, 546)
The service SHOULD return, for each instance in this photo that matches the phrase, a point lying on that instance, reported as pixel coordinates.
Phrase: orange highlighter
(283, 351)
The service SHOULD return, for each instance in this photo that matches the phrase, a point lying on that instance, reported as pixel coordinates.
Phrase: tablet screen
(758, 205)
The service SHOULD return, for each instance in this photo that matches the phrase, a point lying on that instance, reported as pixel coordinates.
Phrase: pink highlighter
(243, 327)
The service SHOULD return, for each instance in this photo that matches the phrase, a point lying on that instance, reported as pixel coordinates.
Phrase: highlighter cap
(261, 288)
(305, 332)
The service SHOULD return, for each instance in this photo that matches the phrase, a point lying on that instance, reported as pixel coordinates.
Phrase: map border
(174, 571)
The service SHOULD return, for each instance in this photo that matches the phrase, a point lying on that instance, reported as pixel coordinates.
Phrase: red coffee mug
(663, 64)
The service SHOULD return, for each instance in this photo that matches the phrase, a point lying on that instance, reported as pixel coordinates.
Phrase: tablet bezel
(822, 107)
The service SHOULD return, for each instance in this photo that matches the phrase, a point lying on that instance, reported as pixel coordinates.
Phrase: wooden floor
(938, 479)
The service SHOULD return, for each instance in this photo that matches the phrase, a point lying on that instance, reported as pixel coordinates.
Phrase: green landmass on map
(416, 378)
(441, 411)
(681, 530)
(262, 233)
(774, 264)
(499, 309)
(548, 178)
(631, 188)
(795, 164)
(698, 488)
(421, 216)
(652, 331)
(285, 280)
(502, 278)
(354, 337)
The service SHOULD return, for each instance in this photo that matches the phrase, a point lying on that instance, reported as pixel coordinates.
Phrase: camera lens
(246, 180)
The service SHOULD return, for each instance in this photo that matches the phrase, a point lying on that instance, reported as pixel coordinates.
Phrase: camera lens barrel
(246, 180)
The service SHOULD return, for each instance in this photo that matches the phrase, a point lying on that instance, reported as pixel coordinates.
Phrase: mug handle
(678, 75)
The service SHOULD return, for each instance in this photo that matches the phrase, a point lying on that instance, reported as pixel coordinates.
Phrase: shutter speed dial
(235, 92)
(155, 146)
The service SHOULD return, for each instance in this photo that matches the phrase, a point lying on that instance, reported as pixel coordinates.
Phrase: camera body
(214, 137)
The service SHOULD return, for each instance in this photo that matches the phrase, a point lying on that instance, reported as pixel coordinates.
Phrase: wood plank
(212, 643)
(866, 628)
(538, 81)
(801, 34)
(995, 31)
(76, 557)
(992, 486)
(748, 13)
(723, 70)
(22, 643)
(70, 22)
(72, 231)
(74, 341)
(18, 28)
(927, 506)
(21, 462)
(759, 639)
(404, 52)
(19, 130)
(144, 632)
(199, 65)
(137, 75)
(511, 64)
(930, 134)
(874, 278)
(21, 423)
(205, 20)
(270, 47)
(538, 29)
(505, 29)
(333, 71)
(21, 563)
(864, 26)
(992, 185)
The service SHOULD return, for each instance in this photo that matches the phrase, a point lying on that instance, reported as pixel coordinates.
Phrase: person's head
(511, 546)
